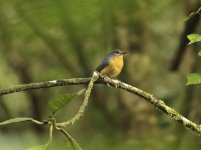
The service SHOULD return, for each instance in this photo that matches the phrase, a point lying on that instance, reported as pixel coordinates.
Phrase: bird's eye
(118, 52)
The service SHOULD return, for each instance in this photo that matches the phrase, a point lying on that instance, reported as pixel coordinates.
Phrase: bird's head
(118, 52)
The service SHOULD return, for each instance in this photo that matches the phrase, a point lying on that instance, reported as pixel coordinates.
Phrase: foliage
(55, 105)
(44, 39)
(58, 102)
(194, 38)
(199, 54)
(194, 78)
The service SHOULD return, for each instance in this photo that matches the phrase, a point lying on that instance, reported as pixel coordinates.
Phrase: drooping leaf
(58, 102)
(194, 38)
(38, 147)
(194, 78)
(73, 145)
(71, 141)
(15, 120)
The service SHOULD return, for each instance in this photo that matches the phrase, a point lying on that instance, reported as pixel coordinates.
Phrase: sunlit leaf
(194, 78)
(58, 102)
(38, 147)
(194, 38)
(15, 120)
(199, 54)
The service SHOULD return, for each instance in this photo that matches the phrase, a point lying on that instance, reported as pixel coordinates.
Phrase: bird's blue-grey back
(105, 62)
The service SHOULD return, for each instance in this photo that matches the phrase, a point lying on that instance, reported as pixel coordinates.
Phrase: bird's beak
(124, 52)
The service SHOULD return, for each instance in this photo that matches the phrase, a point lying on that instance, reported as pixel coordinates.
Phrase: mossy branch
(114, 83)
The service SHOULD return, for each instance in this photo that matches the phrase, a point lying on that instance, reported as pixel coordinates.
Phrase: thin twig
(20, 119)
(50, 137)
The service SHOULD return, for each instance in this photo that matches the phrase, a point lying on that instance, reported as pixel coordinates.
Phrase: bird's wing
(104, 63)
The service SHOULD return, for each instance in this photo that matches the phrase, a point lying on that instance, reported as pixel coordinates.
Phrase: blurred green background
(44, 40)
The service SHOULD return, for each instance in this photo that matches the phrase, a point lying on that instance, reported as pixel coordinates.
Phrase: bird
(112, 64)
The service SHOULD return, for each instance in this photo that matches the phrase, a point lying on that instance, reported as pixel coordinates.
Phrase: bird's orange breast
(114, 67)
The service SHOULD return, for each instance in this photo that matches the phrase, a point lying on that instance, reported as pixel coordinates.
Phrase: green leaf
(38, 147)
(199, 54)
(73, 145)
(194, 38)
(71, 141)
(15, 120)
(194, 78)
(58, 102)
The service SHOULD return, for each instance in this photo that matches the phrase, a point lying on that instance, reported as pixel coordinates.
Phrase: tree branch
(46, 84)
(114, 83)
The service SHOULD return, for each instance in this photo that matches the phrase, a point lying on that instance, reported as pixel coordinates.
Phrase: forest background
(49, 39)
